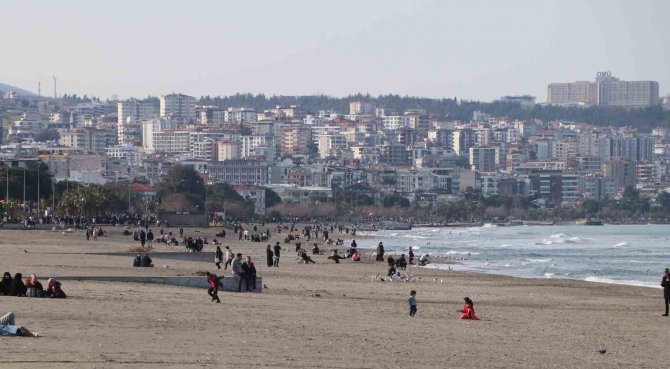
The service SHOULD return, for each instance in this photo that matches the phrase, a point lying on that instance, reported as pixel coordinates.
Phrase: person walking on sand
(270, 255)
(277, 250)
(228, 258)
(213, 290)
(468, 310)
(218, 257)
(143, 237)
(150, 238)
(411, 255)
(380, 252)
(412, 303)
(665, 283)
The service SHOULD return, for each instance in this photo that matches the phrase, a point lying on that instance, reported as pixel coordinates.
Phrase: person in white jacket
(228, 257)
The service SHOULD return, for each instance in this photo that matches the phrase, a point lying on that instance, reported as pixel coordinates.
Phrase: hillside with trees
(453, 109)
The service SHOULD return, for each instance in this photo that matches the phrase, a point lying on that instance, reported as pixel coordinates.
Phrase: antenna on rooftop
(39, 89)
(55, 90)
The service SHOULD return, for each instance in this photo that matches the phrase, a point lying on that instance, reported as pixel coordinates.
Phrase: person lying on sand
(8, 327)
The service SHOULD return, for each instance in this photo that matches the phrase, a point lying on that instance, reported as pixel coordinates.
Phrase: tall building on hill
(130, 114)
(361, 108)
(606, 90)
(178, 106)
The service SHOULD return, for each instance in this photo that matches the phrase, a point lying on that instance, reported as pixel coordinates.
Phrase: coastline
(317, 315)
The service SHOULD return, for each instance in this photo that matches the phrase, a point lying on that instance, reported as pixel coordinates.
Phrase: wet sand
(322, 315)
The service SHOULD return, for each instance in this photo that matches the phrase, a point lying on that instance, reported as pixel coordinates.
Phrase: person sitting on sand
(17, 288)
(424, 260)
(34, 287)
(356, 256)
(8, 327)
(468, 310)
(137, 262)
(316, 250)
(6, 284)
(402, 262)
(302, 256)
(335, 257)
(392, 271)
(54, 289)
(146, 261)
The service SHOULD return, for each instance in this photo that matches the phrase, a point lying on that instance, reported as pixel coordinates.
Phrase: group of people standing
(244, 272)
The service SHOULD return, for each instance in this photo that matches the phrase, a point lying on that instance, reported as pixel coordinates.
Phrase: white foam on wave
(549, 275)
(621, 244)
(489, 225)
(538, 260)
(627, 282)
(505, 245)
(451, 252)
(415, 236)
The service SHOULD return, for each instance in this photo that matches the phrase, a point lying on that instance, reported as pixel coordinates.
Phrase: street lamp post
(38, 189)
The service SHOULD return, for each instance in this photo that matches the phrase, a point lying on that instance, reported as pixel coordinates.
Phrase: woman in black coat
(249, 273)
(270, 256)
(6, 284)
(17, 288)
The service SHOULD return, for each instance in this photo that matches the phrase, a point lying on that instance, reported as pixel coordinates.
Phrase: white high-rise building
(178, 106)
(130, 114)
(605, 91)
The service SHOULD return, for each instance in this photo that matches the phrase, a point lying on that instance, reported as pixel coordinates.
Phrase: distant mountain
(20, 91)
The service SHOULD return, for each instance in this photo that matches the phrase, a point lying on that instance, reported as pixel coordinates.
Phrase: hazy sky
(469, 49)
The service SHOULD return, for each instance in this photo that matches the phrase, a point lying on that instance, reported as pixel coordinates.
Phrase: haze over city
(473, 50)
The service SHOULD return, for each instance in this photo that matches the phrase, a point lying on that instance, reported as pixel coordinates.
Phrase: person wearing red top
(213, 290)
(468, 310)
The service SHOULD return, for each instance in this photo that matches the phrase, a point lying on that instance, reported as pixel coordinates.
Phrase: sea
(621, 254)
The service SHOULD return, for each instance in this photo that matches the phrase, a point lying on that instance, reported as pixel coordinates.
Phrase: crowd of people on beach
(30, 287)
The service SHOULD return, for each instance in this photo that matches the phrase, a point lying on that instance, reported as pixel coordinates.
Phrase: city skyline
(474, 51)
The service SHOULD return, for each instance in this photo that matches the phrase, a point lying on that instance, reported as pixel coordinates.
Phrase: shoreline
(322, 315)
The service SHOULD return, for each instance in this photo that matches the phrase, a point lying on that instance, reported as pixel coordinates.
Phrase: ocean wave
(549, 275)
(620, 244)
(538, 260)
(451, 252)
(415, 236)
(627, 282)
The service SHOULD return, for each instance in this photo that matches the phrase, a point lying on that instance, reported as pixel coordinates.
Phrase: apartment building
(179, 107)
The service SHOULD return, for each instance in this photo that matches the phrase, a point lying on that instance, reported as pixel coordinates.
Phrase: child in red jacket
(468, 310)
(213, 290)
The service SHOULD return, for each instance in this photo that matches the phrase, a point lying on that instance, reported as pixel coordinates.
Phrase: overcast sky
(470, 49)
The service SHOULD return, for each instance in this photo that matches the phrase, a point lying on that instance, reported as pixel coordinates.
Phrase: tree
(86, 200)
(591, 207)
(46, 135)
(186, 181)
(663, 199)
(271, 198)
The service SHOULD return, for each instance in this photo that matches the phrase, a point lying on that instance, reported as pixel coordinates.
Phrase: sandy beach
(322, 315)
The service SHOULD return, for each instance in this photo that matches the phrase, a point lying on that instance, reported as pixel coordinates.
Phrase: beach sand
(322, 315)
